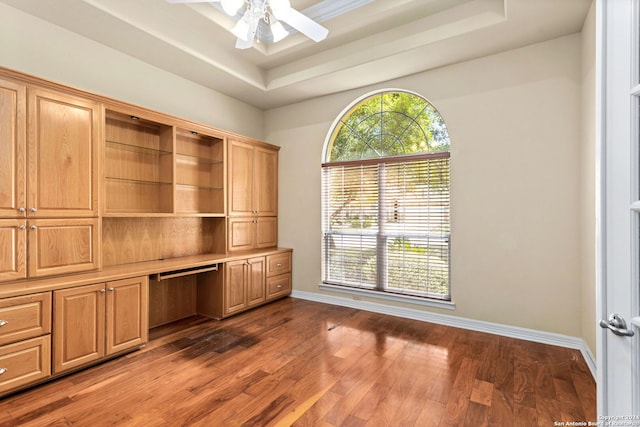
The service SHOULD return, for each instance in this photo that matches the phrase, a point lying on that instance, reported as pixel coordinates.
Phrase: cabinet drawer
(25, 317)
(24, 362)
(278, 264)
(278, 286)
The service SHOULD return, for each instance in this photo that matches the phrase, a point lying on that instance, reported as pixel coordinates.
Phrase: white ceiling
(377, 41)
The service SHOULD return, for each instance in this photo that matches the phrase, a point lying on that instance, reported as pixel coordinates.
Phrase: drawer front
(278, 264)
(24, 362)
(25, 317)
(278, 286)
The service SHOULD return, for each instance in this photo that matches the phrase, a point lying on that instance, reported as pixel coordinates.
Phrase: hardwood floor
(302, 363)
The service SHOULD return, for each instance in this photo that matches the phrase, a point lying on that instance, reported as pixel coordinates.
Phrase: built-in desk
(147, 268)
(52, 326)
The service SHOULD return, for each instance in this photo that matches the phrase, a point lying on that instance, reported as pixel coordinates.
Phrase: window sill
(447, 305)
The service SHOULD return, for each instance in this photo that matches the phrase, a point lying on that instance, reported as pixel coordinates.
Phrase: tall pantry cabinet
(48, 182)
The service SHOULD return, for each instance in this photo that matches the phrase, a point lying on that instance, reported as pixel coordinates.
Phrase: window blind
(386, 224)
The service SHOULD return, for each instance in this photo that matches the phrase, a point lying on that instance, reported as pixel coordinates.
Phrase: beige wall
(588, 183)
(514, 122)
(50, 52)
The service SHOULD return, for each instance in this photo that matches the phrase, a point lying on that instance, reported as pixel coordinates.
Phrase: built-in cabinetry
(278, 282)
(95, 196)
(95, 321)
(253, 196)
(244, 283)
(48, 182)
(25, 340)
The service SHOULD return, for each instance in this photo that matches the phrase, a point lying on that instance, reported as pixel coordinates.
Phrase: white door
(618, 100)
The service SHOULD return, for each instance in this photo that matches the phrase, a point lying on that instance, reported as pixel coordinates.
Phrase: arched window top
(388, 123)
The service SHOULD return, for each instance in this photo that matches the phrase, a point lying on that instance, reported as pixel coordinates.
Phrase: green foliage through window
(388, 124)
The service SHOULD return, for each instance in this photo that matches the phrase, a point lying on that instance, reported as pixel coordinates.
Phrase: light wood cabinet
(13, 254)
(127, 314)
(25, 317)
(24, 362)
(61, 134)
(244, 284)
(253, 196)
(25, 340)
(253, 179)
(13, 111)
(61, 246)
(95, 321)
(278, 283)
(244, 233)
(63, 154)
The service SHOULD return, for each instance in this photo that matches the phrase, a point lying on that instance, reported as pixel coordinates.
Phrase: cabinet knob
(4, 322)
(21, 210)
(33, 210)
(3, 370)
(110, 289)
(102, 291)
(22, 227)
(279, 286)
(33, 227)
(279, 264)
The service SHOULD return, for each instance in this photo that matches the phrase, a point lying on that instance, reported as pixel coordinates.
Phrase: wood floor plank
(302, 363)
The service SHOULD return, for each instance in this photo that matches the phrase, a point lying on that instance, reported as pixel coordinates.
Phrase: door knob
(617, 325)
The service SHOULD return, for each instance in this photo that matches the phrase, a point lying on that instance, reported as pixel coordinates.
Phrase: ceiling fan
(270, 12)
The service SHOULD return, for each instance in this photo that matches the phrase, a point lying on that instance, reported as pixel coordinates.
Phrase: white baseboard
(460, 322)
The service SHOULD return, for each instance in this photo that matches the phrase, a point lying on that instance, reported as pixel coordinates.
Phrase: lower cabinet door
(235, 290)
(13, 249)
(127, 314)
(78, 326)
(255, 281)
(24, 362)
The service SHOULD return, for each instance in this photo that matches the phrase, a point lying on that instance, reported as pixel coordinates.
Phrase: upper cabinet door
(13, 110)
(266, 181)
(253, 179)
(63, 148)
(240, 167)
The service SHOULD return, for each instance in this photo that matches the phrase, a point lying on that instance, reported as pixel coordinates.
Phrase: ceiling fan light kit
(272, 13)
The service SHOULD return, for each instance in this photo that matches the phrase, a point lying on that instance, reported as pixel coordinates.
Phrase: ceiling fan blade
(243, 44)
(302, 23)
(251, 34)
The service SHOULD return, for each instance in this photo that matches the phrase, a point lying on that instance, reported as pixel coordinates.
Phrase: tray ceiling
(369, 42)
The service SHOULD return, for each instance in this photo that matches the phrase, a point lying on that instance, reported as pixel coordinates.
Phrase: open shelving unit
(139, 164)
(156, 169)
(199, 174)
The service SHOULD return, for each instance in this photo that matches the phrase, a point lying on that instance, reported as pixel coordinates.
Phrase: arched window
(385, 197)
